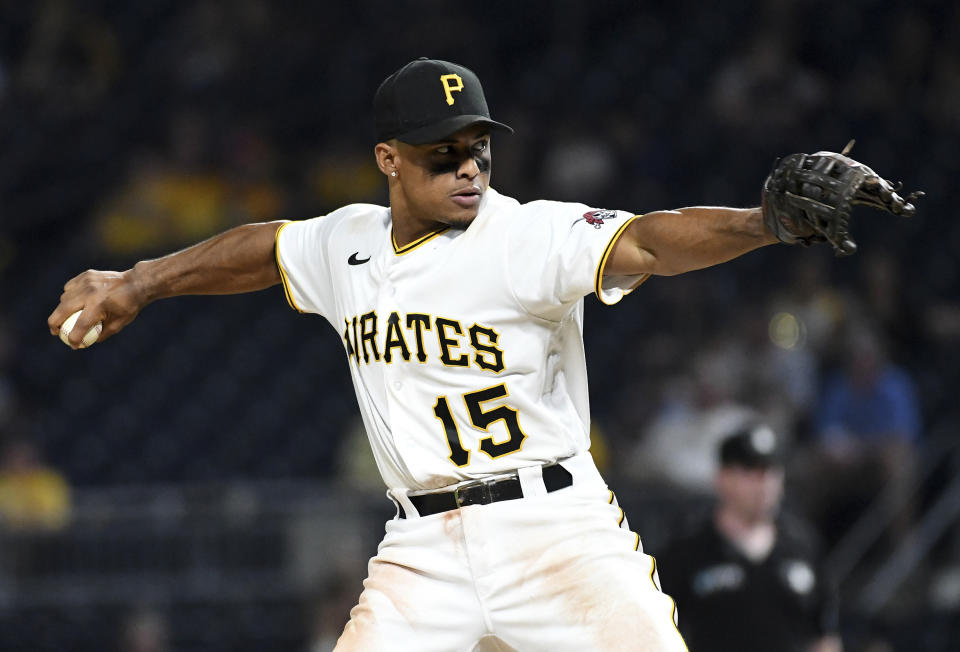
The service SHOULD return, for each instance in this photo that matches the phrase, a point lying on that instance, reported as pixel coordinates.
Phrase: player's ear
(386, 154)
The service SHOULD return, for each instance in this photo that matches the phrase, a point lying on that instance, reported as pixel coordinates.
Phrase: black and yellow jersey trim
(284, 280)
(623, 514)
(598, 279)
(654, 578)
(416, 243)
(673, 603)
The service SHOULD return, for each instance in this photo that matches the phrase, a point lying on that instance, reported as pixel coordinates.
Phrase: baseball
(88, 339)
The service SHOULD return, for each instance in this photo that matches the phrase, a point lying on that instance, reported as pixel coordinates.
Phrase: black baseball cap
(427, 100)
(753, 447)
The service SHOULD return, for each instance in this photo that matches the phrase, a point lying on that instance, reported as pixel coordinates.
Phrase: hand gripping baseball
(808, 198)
(113, 298)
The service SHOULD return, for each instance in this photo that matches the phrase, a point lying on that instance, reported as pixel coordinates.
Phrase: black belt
(484, 492)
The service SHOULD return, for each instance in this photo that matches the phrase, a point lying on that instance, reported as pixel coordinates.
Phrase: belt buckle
(474, 493)
(478, 492)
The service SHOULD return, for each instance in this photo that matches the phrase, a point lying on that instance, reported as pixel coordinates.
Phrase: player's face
(445, 181)
(754, 494)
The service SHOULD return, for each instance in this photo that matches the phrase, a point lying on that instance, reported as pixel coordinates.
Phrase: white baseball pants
(557, 572)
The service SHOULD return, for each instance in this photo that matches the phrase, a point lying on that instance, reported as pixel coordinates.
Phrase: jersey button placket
(392, 372)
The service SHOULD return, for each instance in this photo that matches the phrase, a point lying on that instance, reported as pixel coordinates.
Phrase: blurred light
(786, 331)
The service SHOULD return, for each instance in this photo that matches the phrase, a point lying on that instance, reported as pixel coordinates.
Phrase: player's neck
(404, 232)
(407, 227)
(753, 537)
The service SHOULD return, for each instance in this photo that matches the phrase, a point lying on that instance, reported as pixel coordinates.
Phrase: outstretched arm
(238, 260)
(665, 243)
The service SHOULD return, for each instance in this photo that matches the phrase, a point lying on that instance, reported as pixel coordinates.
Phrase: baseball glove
(808, 197)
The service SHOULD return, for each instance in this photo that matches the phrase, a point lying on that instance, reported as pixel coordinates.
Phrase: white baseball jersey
(466, 346)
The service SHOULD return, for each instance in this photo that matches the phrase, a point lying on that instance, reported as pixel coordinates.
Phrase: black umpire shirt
(727, 602)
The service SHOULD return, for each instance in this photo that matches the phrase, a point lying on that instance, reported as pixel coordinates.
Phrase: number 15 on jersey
(482, 420)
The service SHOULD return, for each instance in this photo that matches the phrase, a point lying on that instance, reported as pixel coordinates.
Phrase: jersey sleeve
(557, 251)
(304, 269)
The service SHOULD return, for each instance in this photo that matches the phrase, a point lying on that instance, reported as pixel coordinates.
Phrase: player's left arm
(665, 243)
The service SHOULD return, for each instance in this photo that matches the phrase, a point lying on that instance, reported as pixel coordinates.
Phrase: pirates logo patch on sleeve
(596, 218)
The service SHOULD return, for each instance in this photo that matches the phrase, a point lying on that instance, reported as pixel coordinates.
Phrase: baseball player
(461, 313)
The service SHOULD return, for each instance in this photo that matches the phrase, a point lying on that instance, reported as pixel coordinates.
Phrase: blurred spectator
(193, 192)
(871, 403)
(677, 447)
(748, 578)
(32, 496)
(167, 202)
(867, 432)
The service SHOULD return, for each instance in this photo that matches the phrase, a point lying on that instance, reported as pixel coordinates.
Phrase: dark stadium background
(220, 495)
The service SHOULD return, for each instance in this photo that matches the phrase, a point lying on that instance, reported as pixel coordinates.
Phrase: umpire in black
(748, 578)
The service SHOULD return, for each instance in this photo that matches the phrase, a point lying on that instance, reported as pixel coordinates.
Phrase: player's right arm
(239, 260)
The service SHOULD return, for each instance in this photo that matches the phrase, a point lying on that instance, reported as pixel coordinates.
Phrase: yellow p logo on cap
(451, 83)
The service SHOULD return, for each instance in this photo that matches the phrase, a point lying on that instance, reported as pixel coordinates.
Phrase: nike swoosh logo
(353, 260)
